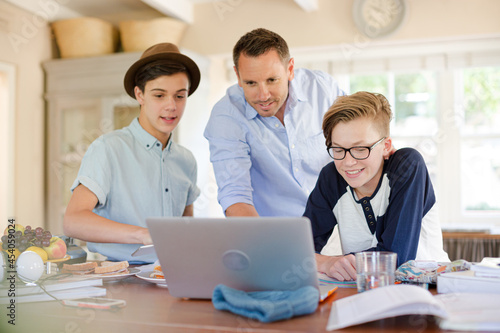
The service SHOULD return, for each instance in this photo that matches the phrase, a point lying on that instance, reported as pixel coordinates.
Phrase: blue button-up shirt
(259, 161)
(133, 178)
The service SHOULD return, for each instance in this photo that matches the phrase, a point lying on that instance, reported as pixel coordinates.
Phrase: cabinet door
(119, 111)
(73, 127)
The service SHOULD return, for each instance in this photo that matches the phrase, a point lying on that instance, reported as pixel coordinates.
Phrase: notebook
(245, 253)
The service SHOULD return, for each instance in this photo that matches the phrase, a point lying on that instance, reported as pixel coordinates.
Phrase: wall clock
(379, 18)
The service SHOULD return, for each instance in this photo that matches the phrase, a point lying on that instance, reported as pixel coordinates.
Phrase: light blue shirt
(259, 161)
(133, 178)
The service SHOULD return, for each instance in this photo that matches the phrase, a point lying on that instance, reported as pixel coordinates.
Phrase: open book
(469, 312)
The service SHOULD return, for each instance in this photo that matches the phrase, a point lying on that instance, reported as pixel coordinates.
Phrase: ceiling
(181, 9)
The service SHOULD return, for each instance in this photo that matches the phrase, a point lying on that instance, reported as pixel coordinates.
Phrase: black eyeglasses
(358, 152)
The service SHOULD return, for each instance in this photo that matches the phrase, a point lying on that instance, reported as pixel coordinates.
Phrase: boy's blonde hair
(357, 105)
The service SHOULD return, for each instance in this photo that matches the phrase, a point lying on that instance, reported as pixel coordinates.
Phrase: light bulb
(29, 266)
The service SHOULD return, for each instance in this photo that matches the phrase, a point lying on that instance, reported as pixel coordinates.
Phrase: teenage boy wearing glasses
(380, 202)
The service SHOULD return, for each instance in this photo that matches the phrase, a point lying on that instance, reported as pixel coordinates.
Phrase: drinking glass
(375, 269)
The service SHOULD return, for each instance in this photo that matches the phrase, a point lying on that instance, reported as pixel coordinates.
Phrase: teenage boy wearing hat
(138, 171)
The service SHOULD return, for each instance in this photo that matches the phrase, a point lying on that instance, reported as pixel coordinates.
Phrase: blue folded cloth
(266, 306)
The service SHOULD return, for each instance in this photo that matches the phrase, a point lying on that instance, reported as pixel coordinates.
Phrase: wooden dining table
(151, 308)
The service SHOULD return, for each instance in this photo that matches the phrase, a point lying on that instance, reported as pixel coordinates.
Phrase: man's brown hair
(258, 42)
(361, 104)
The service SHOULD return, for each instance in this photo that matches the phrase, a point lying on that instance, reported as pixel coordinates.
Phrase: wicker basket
(139, 35)
(85, 37)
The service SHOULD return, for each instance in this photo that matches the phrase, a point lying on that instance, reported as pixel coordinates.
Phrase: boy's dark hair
(156, 69)
(360, 104)
(258, 42)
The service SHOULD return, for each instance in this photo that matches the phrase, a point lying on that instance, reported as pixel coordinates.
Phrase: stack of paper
(481, 278)
(488, 267)
(467, 281)
(62, 288)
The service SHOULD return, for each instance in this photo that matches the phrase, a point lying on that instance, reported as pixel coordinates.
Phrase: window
(445, 96)
(480, 139)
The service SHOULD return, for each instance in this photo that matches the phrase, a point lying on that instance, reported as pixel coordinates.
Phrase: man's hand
(342, 268)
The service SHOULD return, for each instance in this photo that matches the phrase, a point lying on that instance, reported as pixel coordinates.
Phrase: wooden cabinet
(85, 99)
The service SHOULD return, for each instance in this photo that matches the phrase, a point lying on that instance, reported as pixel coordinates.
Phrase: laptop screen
(245, 253)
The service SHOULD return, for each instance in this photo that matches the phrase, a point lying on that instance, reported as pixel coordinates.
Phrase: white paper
(461, 311)
(381, 303)
(488, 267)
(471, 312)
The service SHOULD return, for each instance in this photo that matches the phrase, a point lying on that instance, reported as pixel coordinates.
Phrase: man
(265, 135)
(138, 171)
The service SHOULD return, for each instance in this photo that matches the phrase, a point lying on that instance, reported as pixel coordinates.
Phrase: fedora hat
(163, 51)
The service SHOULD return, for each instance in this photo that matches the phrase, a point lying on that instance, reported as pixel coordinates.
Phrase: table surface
(150, 307)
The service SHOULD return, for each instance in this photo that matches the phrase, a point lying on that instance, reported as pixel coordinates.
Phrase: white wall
(220, 24)
(7, 102)
(25, 42)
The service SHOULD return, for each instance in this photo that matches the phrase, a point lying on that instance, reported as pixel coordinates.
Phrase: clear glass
(480, 140)
(79, 127)
(375, 269)
(123, 115)
(481, 92)
(415, 96)
(425, 146)
(375, 83)
(69, 174)
(480, 160)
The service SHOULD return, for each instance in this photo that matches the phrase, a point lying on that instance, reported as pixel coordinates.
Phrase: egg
(29, 266)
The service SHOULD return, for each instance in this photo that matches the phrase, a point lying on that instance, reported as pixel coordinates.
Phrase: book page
(488, 267)
(381, 303)
(471, 311)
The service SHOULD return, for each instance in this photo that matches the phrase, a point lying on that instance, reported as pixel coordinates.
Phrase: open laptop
(245, 253)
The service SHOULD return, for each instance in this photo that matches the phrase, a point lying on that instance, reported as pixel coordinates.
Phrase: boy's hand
(342, 268)
(145, 236)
